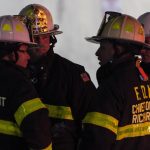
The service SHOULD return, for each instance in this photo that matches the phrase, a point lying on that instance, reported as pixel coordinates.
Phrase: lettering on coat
(141, 109)
(142, 92)
(2, 101)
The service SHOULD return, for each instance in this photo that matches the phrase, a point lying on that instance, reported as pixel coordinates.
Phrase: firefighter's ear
(119, 49)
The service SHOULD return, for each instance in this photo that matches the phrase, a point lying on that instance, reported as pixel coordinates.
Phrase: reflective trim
(102, 120)
(116, 26)
(133, 130)
(27, 108)
(48, 148)
(6, 27)
(60, 112)
(10, 128)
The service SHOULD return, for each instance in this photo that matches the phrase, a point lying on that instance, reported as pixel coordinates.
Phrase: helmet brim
(54, 31)
(50, 32)
(30, 44)
(97, 40)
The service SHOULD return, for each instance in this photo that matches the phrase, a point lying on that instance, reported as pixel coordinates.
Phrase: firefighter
(144, 19)
(64, 86)
(120, 120)
(24, 120)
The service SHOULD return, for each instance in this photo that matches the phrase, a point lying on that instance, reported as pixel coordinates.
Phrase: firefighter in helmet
(144, 19)
(64, 86)
(24, 120)
(120, 118)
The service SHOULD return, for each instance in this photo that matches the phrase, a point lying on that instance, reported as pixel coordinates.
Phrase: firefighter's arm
(96, 138)
(101, 122)
(30, 114)
(32, 118)
(83, 91)
(99, 132)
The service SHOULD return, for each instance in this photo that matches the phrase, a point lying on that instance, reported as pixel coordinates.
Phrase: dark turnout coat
(67, 90)
(120, 119)
(24, 120)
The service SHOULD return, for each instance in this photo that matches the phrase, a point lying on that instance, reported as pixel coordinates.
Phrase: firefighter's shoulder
(74, 69)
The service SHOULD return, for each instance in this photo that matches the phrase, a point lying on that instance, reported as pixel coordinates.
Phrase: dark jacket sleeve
(31, 115)
(101, 122)
(36, 130)
(83, 92)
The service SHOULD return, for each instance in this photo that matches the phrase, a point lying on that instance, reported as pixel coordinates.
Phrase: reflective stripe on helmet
(27, 108)
(60, 112)
(102, 120)
(9, 128)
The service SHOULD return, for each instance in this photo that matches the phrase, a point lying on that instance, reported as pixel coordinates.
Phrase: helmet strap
(53, 41)
(143, 75)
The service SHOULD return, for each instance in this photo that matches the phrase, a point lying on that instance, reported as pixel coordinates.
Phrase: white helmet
(13, 31)
(144, 19)
(121, 27)
(40, 20)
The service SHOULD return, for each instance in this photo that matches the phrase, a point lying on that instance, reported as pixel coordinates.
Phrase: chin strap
(53, 41)
(143, 75)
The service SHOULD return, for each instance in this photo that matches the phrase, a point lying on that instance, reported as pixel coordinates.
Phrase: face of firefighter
(145, 55)
(44, 42)
(23, 56)
(105, 52)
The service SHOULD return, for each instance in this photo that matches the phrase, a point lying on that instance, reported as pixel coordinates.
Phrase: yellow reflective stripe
(19, 28)
(60, 112)
(10, 128)
(6, 27)
(141, 31)
(48, 148)
(102, 120)
(116, 26)
(133, 130)
(129, 28)
(27, 108)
